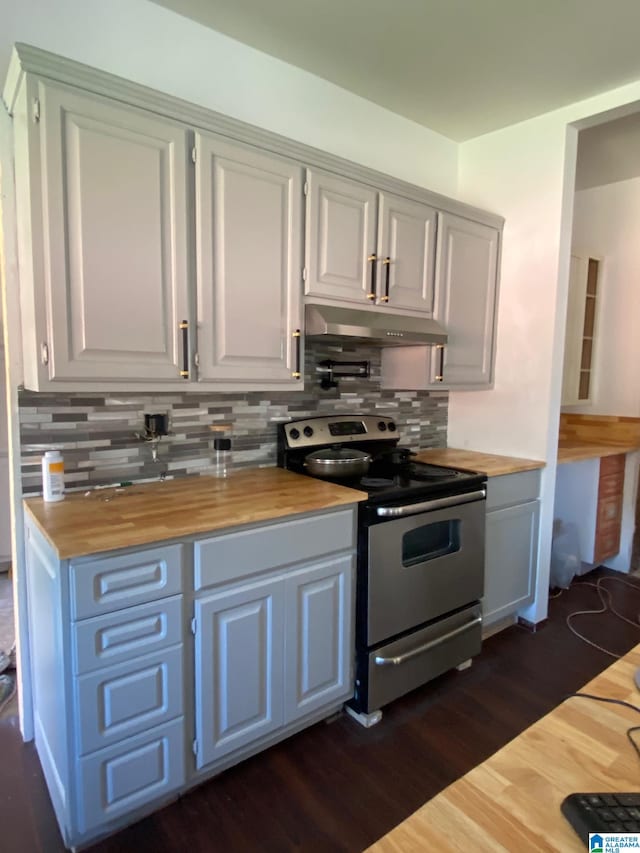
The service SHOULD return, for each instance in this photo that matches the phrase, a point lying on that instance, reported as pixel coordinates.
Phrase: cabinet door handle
(439, 377)
(387, 264)
(372, 292)
(297, 336)
(184, 328)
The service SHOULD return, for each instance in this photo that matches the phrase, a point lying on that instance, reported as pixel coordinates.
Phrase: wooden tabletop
(484, 463)
(512, 800)
(577, 451)
(105, 519)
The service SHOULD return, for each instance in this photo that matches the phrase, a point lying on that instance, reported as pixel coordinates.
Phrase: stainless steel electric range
(420, 560)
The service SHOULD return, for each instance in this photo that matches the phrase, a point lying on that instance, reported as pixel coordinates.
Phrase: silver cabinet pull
(425, 647)
(426, 506)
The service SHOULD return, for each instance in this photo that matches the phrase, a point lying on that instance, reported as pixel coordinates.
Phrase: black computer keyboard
(602, 813)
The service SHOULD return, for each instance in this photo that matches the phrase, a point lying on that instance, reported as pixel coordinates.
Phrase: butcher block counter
(105, 519)
(512, 800)
(484, 463)
(595, 436)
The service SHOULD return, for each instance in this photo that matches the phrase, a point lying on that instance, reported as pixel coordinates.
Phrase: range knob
(392, 426)
(382, 425)
(308, 431)
(294, 433)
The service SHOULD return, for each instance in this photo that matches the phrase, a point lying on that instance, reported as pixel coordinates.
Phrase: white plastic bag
(565, 554)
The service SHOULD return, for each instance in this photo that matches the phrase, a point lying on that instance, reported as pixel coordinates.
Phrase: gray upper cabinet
(161, 244)
(407, 237)
(467, 267)
(465, 304)
(108, 253)
(368, 247)
(249, 263)
(340, 239)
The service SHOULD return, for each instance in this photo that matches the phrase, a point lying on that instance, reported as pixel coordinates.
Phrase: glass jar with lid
(221, 450)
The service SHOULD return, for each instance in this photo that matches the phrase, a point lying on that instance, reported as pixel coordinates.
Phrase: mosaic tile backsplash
(97, 433)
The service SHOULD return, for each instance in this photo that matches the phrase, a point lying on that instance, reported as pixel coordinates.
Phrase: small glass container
(221, 457)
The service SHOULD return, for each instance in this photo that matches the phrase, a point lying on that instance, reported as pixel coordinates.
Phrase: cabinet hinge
(193, 625)
(194, 154)
(36, 109)
(305, 188)
(304, 273)
(44, 352)
(194, 747)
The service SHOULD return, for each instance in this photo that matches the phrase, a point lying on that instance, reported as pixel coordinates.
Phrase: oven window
(430, 541)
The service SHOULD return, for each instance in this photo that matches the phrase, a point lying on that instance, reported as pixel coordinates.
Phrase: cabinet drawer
(131, 774)
(607, 543)
(510, 489)
(125, 634)
(123, 700)
(233, 556)
(100, 586)
(611, 485)
(612, 464)
(609, 510)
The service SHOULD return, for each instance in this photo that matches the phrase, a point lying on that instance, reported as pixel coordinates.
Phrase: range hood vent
(371, 327)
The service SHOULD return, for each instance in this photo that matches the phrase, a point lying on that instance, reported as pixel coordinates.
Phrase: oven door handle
(426, 506)
(425, 647)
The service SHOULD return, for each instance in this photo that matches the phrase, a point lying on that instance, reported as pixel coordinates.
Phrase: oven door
(424, 564)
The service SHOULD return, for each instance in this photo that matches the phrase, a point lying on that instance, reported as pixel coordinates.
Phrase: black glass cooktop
(411, 481)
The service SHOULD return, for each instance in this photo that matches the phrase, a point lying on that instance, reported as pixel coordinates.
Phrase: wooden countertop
(577, 451)
(512, 800)
(484, 463)
(138, 515)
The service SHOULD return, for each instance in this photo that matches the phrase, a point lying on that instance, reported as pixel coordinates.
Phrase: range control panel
(339, 429)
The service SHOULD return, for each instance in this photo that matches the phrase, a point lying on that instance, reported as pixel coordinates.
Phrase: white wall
(151, 45)
(606, 221)
(526, 173)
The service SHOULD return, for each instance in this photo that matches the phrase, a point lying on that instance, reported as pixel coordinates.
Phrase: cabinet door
(239, 668)
(249, 260)
(319, 637)
(466, 289)
(114, 188)
(340, 239)
(407, 245)
(511, 553)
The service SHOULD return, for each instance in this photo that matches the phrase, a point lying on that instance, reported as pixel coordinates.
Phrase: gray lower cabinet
(265, 625)
(511, 544)
(271, 651)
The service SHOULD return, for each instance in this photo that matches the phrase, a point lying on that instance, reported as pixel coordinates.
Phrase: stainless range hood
(372, 327)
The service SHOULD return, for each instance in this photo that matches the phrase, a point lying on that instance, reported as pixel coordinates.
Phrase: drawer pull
(425, 647)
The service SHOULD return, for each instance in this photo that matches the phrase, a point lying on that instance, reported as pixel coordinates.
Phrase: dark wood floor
(337, 786)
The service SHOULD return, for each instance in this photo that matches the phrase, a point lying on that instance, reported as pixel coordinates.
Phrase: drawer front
(609, 511)
(116, 637)
(611, 485)
(131, 775)
(100, 586)
(607, 543)
(612, 464)
(123, 700)
(232, 556)
(510, 489)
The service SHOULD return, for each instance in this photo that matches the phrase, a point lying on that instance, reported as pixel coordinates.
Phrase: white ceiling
(460, 67)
